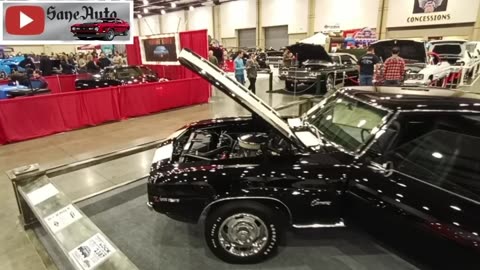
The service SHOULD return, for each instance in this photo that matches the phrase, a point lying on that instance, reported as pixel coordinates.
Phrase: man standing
(252, 68)
(394, 69)
(367, 66)
(240, 68)
(212, 58)
(117, 60)
(103, 62)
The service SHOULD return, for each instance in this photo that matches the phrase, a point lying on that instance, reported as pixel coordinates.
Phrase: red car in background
(104, 28)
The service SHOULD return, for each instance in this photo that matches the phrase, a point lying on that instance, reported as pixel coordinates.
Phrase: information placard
(41, 194)
(92, 252)
(62, 218)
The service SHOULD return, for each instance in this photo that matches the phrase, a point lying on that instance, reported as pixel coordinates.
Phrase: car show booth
(66, 109)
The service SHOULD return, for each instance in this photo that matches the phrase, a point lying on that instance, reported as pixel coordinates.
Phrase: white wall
(149, 25)
(201, 18)
(135, 28)
(349, 14)
(237, 15)
(293, 13)
(170, 22)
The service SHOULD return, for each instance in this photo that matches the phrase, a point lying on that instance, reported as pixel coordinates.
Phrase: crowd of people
(70, 63)
(246, 62)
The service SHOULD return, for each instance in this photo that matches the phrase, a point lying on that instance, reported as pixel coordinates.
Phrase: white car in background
(421, 69)
(458, 53)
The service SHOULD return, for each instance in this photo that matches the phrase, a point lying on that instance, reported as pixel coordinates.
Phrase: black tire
(82, 38)
(248, 211)
(125, 33)
(289, 86)
(110, 35)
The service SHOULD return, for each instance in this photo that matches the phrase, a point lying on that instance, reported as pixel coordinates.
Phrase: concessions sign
(407, 13)
(160, 49)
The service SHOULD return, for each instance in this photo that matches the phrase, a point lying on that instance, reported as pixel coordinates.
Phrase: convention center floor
(20, 249)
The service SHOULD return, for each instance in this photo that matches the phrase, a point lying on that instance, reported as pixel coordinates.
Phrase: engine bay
(218, 144)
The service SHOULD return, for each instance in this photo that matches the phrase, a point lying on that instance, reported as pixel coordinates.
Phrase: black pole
(270, 81)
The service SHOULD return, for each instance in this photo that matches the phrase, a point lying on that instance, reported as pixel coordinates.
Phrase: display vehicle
(421, 69)
(117, 75)
(333, 69)
(457, 53)
(104, 28)
(372, 149)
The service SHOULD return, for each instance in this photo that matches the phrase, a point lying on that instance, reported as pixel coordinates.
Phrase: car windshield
(104, 20)
(126, 73)
(346, 123)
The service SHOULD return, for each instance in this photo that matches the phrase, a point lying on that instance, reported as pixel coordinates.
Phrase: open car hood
(409, 49)
(306, 51)
(236, 91)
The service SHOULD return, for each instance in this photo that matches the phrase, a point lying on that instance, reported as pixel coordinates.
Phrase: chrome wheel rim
(110, 35)
(330, 86)
(243, 235)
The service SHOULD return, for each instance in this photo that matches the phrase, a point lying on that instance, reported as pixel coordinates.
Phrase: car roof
(403, 98)
(449, 41)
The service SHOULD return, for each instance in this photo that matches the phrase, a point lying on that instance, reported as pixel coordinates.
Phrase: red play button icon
(25, 20)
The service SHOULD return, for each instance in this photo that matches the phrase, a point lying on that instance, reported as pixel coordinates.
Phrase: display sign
(62, 218)
(431, 12)
(66, 22)
(42, 194)
(92, 252)
(160, 49)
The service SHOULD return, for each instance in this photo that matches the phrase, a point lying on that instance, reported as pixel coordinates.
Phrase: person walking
(212, 58)
(240, 68)
(367, 67)
(252, 70)
(394, 69)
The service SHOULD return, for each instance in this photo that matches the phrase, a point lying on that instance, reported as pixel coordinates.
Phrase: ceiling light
(173, 5)
(139, 16)
(163, 12)
(145, 10)
(145, 2)
(191, 8)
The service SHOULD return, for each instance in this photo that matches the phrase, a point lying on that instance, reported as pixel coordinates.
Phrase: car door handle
(386, 168)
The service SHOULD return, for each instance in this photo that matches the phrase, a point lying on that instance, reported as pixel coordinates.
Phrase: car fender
(270, 200)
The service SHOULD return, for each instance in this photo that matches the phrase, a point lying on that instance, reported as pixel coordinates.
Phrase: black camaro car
(114, 76)
(409, 154)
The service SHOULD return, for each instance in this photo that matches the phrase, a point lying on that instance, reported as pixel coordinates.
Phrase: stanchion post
(19, 177)
(270, 81)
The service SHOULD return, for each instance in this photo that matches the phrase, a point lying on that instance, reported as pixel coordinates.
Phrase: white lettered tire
(243, 232)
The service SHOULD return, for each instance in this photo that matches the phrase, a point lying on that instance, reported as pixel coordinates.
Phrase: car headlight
(73, 28)
(96, 28)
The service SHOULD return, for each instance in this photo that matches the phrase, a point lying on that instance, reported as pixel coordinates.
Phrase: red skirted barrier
(57, 83)
(31, 117)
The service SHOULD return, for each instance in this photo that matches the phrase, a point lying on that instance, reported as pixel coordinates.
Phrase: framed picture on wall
(160, 49)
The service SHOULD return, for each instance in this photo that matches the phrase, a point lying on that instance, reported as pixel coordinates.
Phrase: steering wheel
(362, 134)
